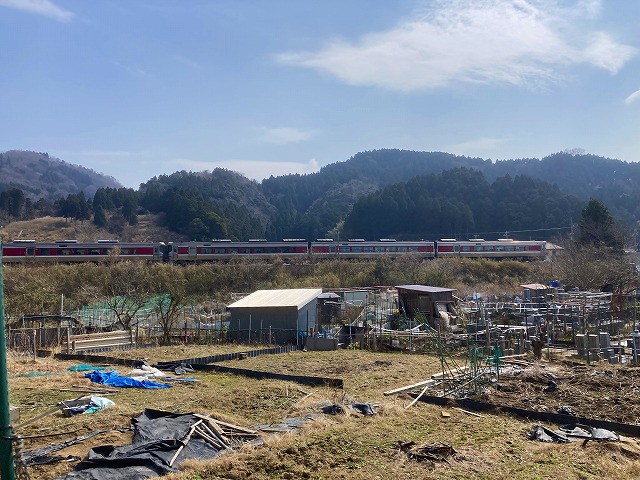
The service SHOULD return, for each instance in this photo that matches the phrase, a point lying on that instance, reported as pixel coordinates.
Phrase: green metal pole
(7, 470)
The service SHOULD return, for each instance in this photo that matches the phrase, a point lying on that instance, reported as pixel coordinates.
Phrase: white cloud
(284, 135)
(39, 7)
(634, 97)
(516, 42)
(483, 146)
(253, 169)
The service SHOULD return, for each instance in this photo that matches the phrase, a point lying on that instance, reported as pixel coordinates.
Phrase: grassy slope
(57, 228)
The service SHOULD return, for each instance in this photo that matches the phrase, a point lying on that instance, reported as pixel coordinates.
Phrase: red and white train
(69, 251)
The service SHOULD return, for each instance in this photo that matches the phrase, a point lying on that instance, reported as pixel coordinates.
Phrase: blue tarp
(113, 379)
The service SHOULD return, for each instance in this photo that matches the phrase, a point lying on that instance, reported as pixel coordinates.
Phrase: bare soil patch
(601, 391)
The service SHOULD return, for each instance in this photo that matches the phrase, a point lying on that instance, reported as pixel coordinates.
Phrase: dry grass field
(46, 229)
(349, 446)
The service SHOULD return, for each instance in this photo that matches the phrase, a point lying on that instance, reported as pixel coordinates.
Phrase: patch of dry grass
(343, 446)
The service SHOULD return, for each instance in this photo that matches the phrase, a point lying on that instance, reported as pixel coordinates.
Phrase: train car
(72, 251)
(481, 248)
(359, 248)
(189, 252)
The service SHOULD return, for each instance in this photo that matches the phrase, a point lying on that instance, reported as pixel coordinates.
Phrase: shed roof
(425, 289)
(534, 286)
(328, 295)
(297, 297)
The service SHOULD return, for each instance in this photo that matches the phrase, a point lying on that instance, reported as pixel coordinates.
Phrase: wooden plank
(113, 338)
(86, 336)
(185, 441)
(468, 412)
(450, 373)
(236, 427)
(410, 387)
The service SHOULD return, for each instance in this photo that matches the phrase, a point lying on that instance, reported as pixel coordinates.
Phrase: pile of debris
(161, 441)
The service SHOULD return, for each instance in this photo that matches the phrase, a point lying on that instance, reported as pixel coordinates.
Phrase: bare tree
(170, 287)
(125, 288)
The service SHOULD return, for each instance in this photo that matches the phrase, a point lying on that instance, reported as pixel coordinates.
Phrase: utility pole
(7, 470)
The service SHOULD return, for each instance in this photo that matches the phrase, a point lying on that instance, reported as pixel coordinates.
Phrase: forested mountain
(382, 193)
(40, 176)
(218, 204)
(458, 202)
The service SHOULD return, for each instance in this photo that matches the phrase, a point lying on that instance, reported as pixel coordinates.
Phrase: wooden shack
(435, 303)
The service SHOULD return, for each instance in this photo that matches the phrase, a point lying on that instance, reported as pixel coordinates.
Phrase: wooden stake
(185, 441)
(468, 412)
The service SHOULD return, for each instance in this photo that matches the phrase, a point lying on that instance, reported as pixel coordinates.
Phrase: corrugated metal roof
(425, 288)
(296, 297)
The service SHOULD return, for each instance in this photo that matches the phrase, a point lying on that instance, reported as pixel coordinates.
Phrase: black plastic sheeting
(156, 440)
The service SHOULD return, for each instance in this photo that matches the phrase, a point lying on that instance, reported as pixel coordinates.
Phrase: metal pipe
(7, 469)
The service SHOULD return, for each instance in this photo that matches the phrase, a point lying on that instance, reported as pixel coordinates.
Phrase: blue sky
(140, 88)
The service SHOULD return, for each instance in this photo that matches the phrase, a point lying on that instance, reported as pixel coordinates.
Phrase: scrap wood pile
(458, 382)
(161, 441)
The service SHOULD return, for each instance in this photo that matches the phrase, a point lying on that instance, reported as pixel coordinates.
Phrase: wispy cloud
(634, 97)
(284, 135)
(513, 42)
(39, 7)
(133, 71)
(253, 169)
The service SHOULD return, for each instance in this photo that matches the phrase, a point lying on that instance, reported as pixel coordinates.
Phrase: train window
(499, 248)
(413, 248)
(356, 249)
(258, 250)
(233, 250)
(368, 249)
(94, 251)
(31, 251)
(246, 250)
(479, 249)
(402, 249)
(45, 251)
(466, 249)
(456, 248)
(78, 251)
(124, 251)
(221, 251)
(380, 249)
(509, 248)
(206, 250)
